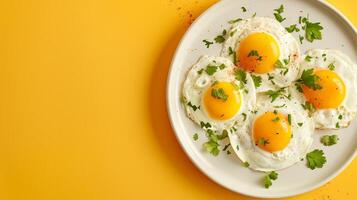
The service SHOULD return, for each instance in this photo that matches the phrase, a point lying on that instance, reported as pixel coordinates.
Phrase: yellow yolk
(267, 50)
(332, 92)
(272, 132)
(220, 108)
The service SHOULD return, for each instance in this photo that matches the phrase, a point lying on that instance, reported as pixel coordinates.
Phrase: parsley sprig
(309, 79)
(315, 159)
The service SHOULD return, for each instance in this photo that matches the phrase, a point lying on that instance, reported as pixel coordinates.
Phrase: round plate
(227, 170)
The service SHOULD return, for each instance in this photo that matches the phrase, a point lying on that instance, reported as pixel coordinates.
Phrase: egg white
(289, 49)
(197, 83)
(347, 70)
(260, 160)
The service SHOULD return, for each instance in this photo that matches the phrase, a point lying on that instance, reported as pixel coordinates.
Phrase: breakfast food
(263, 47)
(267, 98)
(274, 137)
(327, 88)
(213, 95)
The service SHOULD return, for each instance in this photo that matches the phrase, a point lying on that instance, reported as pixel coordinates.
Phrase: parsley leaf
(219, 94)
(274, 94)
(240, 75)
(257, 80)
(315, 159)
(234, 20)
(194, 108)
(243, 9)
(207, 43)
(220, 38)
(331, 66)
(211, 69)
(313, 31)
(205, 125)
(329, 140)
(309, 79)
(309, 106)
(300, 124)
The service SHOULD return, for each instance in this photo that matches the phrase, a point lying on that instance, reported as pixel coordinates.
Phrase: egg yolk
(258, 53)
(332, 92)
(222, 100)
(272, 131)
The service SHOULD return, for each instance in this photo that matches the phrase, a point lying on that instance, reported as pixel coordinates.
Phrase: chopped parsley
(256, 54)
(246, 164)
(300, 124)
(331, 66)
(263, 141)
(289, 119)
(243, 9)
(274, 94)
(279, 64)
(233, 53)
(234, 21)
(205, 125)
(237, 147)
(278, 12)
(329, 140)
(309, 79)
(194, 108)
(301, 38)
(276, 119)
(222, 66)
(337, 125)
(269, 177)
(257, 80)
(220, 38)
(240, 75)
(211, 69)
(308, 58)
(244, 116)
(200, 71)
(219, 94)
(195, 137)
(232, 33)
(226, 147)
(292, 28)
(309, 107)
(207, 43)
(340, 117)
(315, 159)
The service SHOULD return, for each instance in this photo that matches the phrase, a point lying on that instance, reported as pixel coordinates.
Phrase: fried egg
(260, 45)
(330, 88)
(212, 94)
(275, 136)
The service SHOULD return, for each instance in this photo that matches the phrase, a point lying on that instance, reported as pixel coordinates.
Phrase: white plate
(227, 170)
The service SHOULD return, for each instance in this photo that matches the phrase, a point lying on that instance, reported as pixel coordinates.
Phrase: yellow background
(82, 107)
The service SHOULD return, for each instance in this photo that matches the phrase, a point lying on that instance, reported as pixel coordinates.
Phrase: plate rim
(170, 109)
